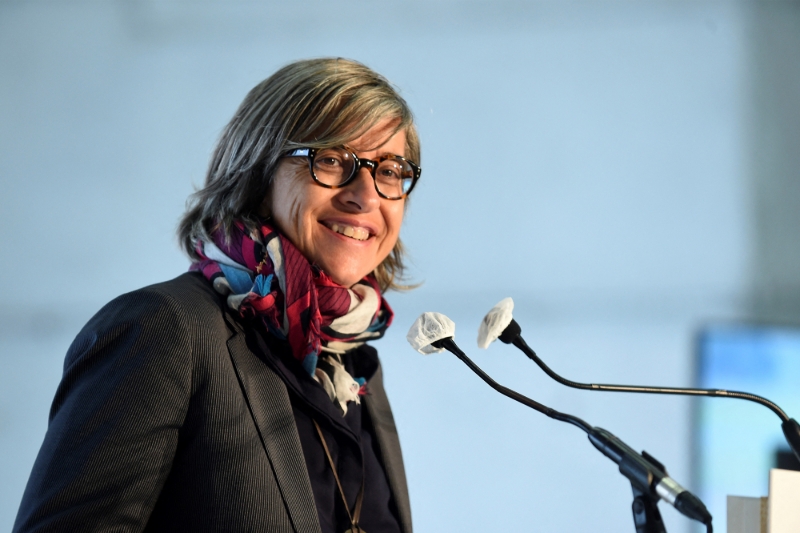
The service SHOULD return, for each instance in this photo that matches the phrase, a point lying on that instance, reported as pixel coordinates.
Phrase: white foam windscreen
(429, 328)
(495, 322)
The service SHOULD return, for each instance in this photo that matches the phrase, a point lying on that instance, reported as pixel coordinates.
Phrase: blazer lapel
(272, 412)
(382, 420)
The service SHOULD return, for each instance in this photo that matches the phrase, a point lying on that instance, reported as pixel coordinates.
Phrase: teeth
(359, 234)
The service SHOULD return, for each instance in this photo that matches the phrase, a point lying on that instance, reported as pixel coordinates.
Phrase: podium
(777, 513)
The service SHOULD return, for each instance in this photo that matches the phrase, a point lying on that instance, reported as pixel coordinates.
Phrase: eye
(329, 159)
(389, 171)
(333, 166)
(329, 162)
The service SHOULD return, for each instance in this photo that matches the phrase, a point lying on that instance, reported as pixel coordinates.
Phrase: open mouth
(359, 234)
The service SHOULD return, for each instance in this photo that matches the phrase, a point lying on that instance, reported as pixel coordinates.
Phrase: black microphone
(499, 324)
(648, 472)
(434, 332)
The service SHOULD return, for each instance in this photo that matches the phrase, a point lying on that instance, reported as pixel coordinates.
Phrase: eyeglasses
(394, 176)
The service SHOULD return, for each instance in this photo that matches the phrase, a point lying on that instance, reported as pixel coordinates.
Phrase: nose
(361, 195)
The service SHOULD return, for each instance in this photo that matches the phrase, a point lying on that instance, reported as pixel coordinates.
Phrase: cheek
(393, 216)
(287, 204)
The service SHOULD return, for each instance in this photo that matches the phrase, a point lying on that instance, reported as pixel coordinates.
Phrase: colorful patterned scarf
(264, 276)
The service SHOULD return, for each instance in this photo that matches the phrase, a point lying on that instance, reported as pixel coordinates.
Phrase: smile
(359, 234)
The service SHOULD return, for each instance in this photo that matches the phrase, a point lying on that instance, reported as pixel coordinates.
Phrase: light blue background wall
(590, 160)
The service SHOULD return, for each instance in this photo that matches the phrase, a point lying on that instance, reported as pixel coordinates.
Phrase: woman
(241, 396)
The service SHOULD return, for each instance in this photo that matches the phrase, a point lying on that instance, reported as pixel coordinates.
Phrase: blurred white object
(495, 322)
(747, 514)
(429, 328)
(778, 513)
(783, 510)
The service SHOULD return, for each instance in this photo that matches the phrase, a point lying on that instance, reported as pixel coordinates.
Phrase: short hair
(316, 103)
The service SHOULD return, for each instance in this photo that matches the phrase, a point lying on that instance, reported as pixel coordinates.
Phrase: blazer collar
(386, 432)
(271, 410)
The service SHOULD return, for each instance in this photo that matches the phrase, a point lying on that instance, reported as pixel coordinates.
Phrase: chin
(345, 268)
(346, 278)
(346, 281)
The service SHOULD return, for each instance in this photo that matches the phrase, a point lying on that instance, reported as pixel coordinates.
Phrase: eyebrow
(384, 154)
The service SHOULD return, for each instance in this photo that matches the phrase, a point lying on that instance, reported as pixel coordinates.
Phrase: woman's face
(308, 213)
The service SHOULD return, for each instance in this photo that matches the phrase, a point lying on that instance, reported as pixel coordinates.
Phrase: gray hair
(316, 103)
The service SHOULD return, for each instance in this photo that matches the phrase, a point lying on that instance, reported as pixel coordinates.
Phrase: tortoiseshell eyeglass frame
(359, 163)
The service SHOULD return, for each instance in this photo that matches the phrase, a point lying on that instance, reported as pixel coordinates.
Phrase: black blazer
(166, 420)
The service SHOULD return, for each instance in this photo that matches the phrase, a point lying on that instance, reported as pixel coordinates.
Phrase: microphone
(434, 332)
(427, 330)
(500, 324)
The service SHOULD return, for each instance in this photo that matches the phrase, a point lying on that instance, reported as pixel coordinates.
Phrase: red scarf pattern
(265, 275)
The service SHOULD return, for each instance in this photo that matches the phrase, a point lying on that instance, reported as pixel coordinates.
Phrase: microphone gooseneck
(512, 334)
(648, 477)
(519, 342)
(450, 345)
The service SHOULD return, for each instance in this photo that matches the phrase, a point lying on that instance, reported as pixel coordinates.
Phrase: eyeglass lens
(334, 166)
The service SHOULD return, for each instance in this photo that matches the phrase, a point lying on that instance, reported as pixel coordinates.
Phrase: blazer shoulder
(125, 395)
(174, 316)
(188, 298)
(190, 292)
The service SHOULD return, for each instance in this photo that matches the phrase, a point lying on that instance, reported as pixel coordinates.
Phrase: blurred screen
(737, 441)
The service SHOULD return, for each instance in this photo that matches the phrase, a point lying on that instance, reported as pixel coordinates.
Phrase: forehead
(383, 134)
